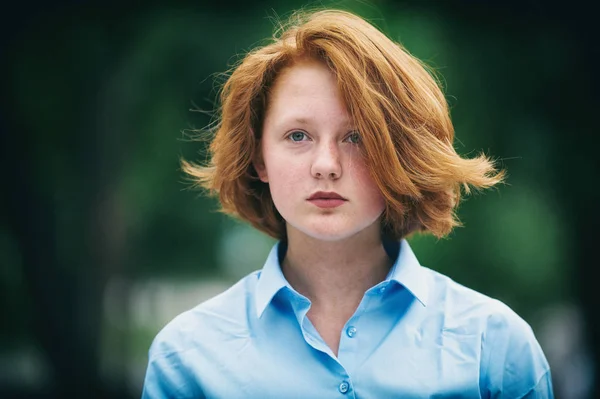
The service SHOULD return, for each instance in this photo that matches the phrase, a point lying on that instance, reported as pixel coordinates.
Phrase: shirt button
(344, 386)
(382, 289)
(351, 331)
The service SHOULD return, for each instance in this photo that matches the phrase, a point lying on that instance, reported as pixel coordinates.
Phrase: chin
(328, 231)
(333, 227)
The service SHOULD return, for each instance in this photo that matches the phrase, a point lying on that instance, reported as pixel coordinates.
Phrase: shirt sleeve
(513, 363)
(168, 377)
(543, 388)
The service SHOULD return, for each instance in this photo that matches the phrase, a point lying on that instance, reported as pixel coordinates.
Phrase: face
(311, 157)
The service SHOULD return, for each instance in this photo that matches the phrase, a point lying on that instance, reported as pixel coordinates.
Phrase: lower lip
(327, 203)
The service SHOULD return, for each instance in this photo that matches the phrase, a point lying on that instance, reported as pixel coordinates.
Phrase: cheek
(285, 173)
(370, 194)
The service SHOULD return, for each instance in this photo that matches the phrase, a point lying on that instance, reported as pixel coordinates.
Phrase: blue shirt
(417, 334)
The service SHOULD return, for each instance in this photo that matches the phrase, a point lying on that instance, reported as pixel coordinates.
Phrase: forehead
(305, 90)
(304, 76)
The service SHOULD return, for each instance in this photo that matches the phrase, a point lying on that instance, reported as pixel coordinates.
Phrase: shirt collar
(271, 279)
(406, 271)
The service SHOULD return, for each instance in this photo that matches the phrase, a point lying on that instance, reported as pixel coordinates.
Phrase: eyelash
(289, 136)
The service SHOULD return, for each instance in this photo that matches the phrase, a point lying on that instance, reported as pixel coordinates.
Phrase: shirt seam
(536, 384)
(167, 354)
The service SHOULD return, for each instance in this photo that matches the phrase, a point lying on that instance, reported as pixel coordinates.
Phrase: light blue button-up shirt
(417, 334)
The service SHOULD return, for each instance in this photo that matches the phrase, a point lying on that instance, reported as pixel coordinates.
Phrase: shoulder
(464, 307)
(497, 323)
(512, 361)
(463, 302)
(225, 313)
(190, 344)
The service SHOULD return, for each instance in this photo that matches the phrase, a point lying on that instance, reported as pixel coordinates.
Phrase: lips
(322, 195)
(326, 200)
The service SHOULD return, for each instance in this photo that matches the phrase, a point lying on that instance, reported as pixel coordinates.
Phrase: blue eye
(353, 138)
(297, 136)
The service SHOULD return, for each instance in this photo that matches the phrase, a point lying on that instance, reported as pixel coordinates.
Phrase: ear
(262, 172)
(261, 169)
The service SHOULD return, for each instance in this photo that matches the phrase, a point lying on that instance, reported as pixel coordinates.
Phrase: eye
(297, 136)
(353, 138)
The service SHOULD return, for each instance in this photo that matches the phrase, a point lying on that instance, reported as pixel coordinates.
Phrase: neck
(334, 275)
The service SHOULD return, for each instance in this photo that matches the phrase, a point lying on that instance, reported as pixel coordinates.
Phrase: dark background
(102, 243)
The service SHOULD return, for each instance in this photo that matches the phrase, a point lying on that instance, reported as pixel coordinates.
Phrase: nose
(326, 163)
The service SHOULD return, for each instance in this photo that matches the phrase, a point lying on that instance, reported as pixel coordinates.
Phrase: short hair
(395, 102)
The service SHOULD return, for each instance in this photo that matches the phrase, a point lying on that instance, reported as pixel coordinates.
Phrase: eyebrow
(300, 119)
(307, 120)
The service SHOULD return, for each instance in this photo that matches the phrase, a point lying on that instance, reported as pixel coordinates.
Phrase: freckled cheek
(286, 176)
(367, 186)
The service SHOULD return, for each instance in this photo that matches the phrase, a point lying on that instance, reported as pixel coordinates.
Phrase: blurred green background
(102, 242)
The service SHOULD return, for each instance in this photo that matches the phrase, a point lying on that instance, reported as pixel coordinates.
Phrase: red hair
(396, 104)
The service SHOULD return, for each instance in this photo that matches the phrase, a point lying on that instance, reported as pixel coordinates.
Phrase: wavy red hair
(395, 102)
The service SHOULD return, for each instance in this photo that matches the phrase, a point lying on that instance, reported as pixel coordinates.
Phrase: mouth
(326, 199)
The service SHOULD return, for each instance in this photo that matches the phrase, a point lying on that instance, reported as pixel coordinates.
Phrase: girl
(337, 142)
